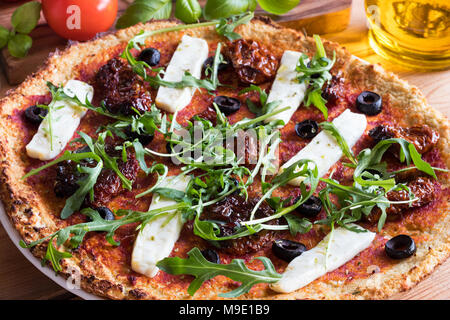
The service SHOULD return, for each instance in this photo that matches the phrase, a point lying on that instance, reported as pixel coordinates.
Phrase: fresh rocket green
(315, 74)
(74, 235)
(204, 270)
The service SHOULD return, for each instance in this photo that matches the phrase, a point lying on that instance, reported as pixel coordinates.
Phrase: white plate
(15, 238)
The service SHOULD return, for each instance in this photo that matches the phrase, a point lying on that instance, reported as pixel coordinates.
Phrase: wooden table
(20, 280)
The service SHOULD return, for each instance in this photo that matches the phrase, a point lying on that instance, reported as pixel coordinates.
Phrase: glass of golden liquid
(414, 34)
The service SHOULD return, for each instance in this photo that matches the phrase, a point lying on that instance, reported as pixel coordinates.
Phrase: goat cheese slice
(286, 88)
(324, 150)
(343, 245)
(66, 116)
(189, 56)
(155, 242)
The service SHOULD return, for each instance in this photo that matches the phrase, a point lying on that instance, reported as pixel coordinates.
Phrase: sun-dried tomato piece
(423, 137)
(233, 210)
(422, 188)
(252, 61)
(121, 88)
(109, 185)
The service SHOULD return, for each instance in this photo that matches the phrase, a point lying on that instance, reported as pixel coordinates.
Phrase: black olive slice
(209, 63)
(287, 250)
(144, 139)
(105, 213)
(151, 56)
(311, 207)
(307, 129)
(400, 247)
(227, 105)
(35, 115)
(369, 103)
(211, 255)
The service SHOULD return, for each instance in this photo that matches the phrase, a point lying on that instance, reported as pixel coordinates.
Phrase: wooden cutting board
(21, 280)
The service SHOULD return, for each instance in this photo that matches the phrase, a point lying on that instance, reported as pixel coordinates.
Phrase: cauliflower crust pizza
(341, 192)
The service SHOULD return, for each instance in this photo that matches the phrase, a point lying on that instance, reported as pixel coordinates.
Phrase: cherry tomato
(79, 19)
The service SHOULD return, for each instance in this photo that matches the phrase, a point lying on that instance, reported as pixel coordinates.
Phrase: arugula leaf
(74, 202)
(188, 11)
(331, 128)
(297, 224)
(315, 74)
(203, 270)
(265, 107)
(226, 27)
(143, 11)
(4, 36)
(76, 233)
(25, 18)
(371, 158)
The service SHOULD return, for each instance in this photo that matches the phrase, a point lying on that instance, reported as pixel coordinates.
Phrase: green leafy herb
(369, 189)
(141, 68)
(226, 27)
(23, 21)
(55, 256)
(265, 107)
(143, 11)
(76, 233)
(19, 44)
(25, 18)
(188, 11)
(278, 7)
(316, 73)
(297, 224)
(203, 270)
(215, 9)
(331, 128)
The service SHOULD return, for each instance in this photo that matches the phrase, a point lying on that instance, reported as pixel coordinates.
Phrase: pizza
(225, 160)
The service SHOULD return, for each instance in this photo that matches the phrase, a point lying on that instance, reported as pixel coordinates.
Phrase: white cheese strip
(314, 263)
(189, 56)
(324, 149)
(66, 117)
(155, 242)
(286, 88)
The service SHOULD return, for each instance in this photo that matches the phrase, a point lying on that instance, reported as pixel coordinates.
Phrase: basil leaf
(25, 18)
(278, 7)
(4, 36)
(226, 27)
(143, 11)
(215, 9)
(188, 11)
(19, 44)
(204, 270)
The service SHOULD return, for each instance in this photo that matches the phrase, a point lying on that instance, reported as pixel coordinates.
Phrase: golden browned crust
(33, 218)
